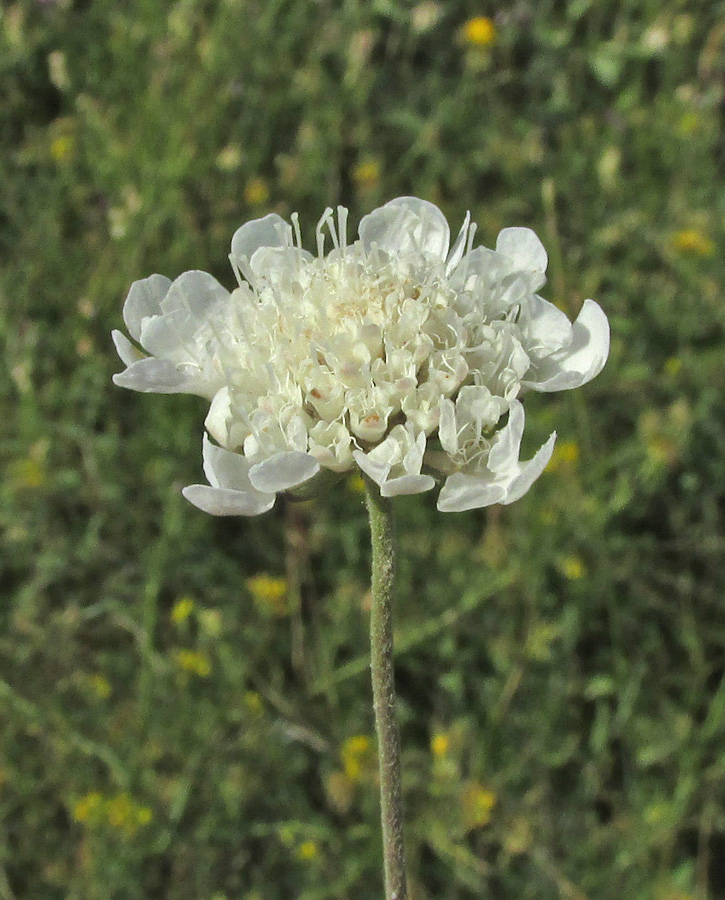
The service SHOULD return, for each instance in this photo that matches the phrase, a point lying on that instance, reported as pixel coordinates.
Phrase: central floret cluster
(393, 354)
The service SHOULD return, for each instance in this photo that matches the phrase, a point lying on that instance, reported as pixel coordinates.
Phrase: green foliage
(172, 725)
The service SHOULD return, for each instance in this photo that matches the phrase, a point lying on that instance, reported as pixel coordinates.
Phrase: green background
(171, 729)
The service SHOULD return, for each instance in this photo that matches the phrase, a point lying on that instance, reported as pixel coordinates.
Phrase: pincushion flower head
(397, 354)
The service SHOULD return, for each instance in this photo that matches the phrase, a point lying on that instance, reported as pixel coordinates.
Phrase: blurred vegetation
(184, 702)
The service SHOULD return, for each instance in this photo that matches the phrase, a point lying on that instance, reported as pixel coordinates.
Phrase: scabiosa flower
(396, 354)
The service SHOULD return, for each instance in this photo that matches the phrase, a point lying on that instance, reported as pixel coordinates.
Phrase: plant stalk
(383, 679)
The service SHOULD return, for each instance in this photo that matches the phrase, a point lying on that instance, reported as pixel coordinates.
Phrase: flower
(397, 355)
(479, 31)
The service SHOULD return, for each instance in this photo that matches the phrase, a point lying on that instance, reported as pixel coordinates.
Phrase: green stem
(381, 666)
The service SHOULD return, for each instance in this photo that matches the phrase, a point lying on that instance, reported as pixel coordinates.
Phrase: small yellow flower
(572, 568)
(253, 703)
(357, 756)
(692, 241)
(181, 610)
(479, 31)
(119, 810)
(308, 851)
(126, 815)
(28, 473)
(440, 745)
(269, 594)
(477, 803)
(88, 807)
(256, 192)
(565, 456)
(367, 173)
(61, 147)
(144, 815)
(689, 123)
(194, 661)
(100, 686)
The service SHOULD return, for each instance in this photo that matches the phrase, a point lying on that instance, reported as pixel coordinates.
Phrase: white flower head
(397, 354)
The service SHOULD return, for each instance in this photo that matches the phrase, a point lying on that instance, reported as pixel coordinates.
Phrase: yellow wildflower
(181, 610)
(119, 810)
(28, 473)
(357, 756)
(477, 804)
(194, 661)
(308, 851)
(572, 568)
(253, 703)
(61, 147)
(479, 31)
(367, 173)
(440, 745)
(692, 241)
(269, 594)
(689, 123)
(565, 456)
(256, 192)
(126, 815)
(87, 809)
(99, 685)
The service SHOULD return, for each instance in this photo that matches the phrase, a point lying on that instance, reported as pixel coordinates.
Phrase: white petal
(407, 225)
(459, 245)
(225, 469)
(447, 433)
(218, 416)
(269, 231)
(505, 479)
(377, 470)
(479, 267)
(407, 484)
(530, 471)
(225, 502)
(144, 300)
(125, 349)
(283, 471)
(504, 455)
(523, 247)
(582, 360)
(461, 492)
(545, 327)
(190, 312)
(413, 459)
(157, 376)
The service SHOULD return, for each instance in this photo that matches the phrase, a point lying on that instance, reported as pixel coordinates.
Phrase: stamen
(236, 270)
(342, 225)
(319, 234)
(296, 226)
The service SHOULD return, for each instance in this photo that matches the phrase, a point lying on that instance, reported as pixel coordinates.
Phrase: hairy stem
(381, 666)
